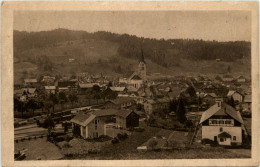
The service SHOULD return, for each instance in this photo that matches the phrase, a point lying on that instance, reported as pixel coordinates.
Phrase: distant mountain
(166, 53)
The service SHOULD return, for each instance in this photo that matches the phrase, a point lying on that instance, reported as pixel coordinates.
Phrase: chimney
(219, 101)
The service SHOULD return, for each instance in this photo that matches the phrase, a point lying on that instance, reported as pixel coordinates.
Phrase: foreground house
(93, 124)
(223, 124)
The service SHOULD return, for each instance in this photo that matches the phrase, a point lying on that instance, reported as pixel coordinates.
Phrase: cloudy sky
(212, 25)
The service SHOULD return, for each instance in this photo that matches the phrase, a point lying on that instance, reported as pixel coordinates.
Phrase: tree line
(163, 52)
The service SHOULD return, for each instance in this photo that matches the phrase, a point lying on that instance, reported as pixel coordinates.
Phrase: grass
(38, 148)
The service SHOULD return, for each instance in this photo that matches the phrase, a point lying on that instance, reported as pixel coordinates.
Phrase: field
(38, 149)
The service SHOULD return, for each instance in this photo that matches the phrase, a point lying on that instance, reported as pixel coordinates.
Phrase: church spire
(142, 55)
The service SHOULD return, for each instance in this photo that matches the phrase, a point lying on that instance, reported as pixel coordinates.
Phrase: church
(138, 78)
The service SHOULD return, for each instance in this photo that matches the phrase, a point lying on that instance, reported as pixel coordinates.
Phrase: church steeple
(142, 55)
(142, 67)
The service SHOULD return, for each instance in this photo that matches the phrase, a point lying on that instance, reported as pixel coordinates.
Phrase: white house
(236, 95)
(223, 124)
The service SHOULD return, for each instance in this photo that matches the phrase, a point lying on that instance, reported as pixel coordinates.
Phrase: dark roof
(224, 134)
(121, 100)
(124, 113)
(248, 98)
(105, 112)
(136, 77)
(228, 76)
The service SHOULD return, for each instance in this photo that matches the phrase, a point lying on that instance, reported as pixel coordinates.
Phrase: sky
(206, 25)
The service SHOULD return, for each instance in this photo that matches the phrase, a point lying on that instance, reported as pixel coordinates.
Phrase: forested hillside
(166, 53)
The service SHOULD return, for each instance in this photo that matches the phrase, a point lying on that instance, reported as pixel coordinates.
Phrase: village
(89, 116)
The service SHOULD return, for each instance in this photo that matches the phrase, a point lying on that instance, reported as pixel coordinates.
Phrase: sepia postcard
(130, 83)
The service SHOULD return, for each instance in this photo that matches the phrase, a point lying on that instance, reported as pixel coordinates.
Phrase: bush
(188, 124)
(208, 141)
(115, 140)
(122, 136)
(139, 129)
(66, 145)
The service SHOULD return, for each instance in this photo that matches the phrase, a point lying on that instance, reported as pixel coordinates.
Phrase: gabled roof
(124, 113)
(87, 85)
(211, 94)
(241, 77)
(49, 87)
(136, 77)
(231, 92)
(228, 76)
(122, 100)
(105, 112)
(117, 89)
(82, 118)
(30, 80)
(248, 99)
(227, 110)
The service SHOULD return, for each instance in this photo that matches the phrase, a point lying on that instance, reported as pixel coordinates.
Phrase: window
(221, 122)
(234, 138)
(215, 138)
(220, 129)
(96, 121)
(221, 139)
(214, 122)
(227, 122)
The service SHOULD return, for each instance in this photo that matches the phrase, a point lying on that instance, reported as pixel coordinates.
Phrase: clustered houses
(93, 124)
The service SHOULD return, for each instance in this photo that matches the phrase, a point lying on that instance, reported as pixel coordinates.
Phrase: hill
(64, 51)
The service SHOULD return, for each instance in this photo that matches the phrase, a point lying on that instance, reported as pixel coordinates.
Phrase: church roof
(136, 77)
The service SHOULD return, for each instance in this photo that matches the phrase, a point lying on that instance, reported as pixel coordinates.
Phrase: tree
(229, 69)
(62, 98)
(73, 98)
(96, 93)
(32, 104)
(54, 99)
(49, 124)
(173, 105)
(153, 144)
(180, 112)
(47, 105)
(191, 91)
(109, 84)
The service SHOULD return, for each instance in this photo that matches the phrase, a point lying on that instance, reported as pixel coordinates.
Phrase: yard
(38, 149)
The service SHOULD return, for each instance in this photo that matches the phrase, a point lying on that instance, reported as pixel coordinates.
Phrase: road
(31, 131)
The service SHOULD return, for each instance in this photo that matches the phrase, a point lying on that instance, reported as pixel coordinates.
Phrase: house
(227, 78)
(30, 82)
(209, 98)
(223, 124)
(50, 89)
(85, 87)
(48, 80)
(151, 105)
(63, 89)
(118, 89)
(241, 79)
(247, 103)
(93, 124)
(119, 103)
(127, 119)
(237, 96)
